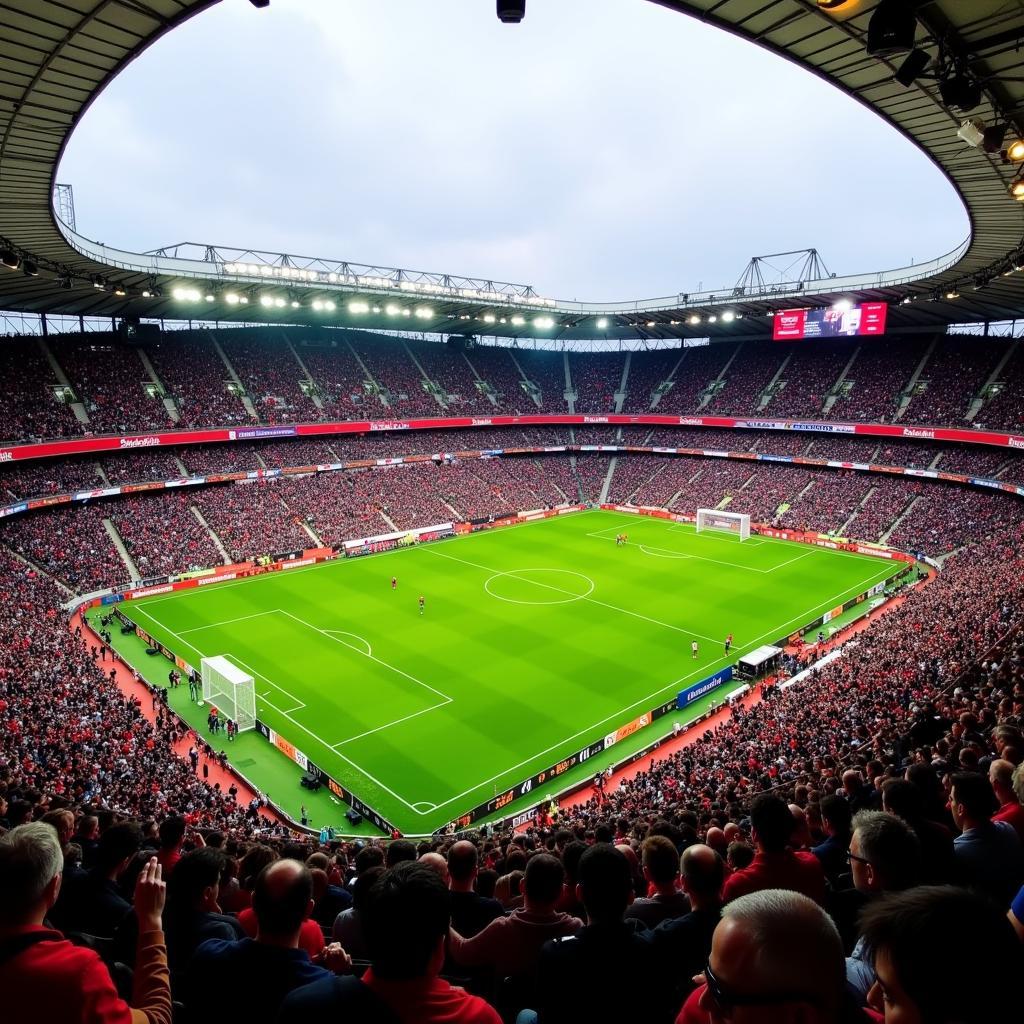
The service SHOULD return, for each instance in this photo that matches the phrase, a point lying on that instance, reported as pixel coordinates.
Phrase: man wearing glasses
(776, 958)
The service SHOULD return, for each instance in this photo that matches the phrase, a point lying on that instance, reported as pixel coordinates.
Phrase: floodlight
(376, 309)
(712, 319)
(391, 309)
(694, 320)
(518, 321)
(728, 316)
(359, 307)
(1015, 150)
(952, 294)
(891, 28)
(543, 322)
(243, 300)
(296, 303)
(209, 296)
(279, 302)
(329, 306)
(510, 12)
(602, 323)
(1017, 187)
(489, 318)
(266, 300)
(406, 312)
(119, 291)
(972, 132)
(178, 293)
(231, 298)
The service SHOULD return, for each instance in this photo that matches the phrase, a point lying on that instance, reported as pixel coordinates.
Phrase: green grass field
(534, 641)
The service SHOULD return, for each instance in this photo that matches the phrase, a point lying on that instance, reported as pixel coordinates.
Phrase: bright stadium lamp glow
(424, 312)
(359, 307)
(279, 302)
(543, 322)
(266, 300)
(518, 321)
(231, 298)
(489, 318)
(602, 323)
(178, 293)
(694, 320)
(295, 303)
(728, 316)
(712, 319)
(318, 305)
(210, 296)
(329, 306)
(392, 310)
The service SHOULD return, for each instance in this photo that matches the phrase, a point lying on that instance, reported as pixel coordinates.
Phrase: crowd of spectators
(810, 376)
(495, 364)
(828, 503)
(954, 374)
(1004, 410)
(879, 374)
(647, 370)
(29, 408)
(454, 376)
(546, 371)
(595, 379)
(805, 858)
(49, 476)
(398, 376)
(271, 376)
(340, 380)
(110, 381)
(748, 376)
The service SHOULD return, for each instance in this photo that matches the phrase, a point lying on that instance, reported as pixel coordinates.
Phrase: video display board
(798, 324)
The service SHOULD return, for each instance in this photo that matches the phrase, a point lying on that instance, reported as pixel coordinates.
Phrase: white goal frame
(730, 522)
(230, 690)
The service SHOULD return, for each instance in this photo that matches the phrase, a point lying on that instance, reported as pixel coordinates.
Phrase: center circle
(539, 586)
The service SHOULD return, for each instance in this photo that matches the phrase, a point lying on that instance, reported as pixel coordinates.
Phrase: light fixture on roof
(892, 27)
(266, 301)
(296, 303)
(518, 321)
(545, 323)
(329, 305)
(279, 302)
(602, 323)
(728, 316)
(1017, 187)
(912, 68)
(959, 90)
(10, 259)
(972, 132)
(424, 312)
(1015, 151)
(231, 298)
(391, 309)
(694, 320)
(119, 291)
(712, 319)
(510, 12)
(952, 294)
(29, 269)
(359, 307)
(651, 323)
(489, 318)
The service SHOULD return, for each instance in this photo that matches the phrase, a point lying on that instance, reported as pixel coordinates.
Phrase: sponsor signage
(857, 321)
(697, 690)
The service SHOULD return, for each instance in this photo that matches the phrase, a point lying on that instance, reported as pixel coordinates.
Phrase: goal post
(230, 690)
(731, 522)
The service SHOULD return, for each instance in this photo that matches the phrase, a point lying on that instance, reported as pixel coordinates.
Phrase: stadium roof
(56, 57)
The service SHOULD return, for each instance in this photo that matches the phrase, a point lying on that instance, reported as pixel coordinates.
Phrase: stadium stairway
(118, 542)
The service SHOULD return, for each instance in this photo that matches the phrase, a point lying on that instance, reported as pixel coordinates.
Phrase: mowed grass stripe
(527, 682)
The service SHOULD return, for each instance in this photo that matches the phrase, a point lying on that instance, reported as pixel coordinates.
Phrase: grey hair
(30, 859)
(794, 938)
(891, 846)
(1018, 782)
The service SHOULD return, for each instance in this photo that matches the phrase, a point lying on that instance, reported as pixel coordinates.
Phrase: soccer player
(394, 582)
(728, 643)
(421, 604)
(694, 648)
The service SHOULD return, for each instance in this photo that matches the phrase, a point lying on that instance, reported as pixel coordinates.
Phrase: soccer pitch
(533, 642)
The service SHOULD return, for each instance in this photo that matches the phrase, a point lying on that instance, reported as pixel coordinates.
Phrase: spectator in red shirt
(776, 958)
(924, 977)
(46, 978)
(1006, 784)
(172, 834)
(775, 866)
(406, 919)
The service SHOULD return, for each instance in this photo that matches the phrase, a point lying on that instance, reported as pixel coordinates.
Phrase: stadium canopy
(56, 57)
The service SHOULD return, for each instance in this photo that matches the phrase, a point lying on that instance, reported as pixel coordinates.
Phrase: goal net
(230, 690)
(733, 522)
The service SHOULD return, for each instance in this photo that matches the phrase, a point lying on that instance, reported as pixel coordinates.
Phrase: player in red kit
(394, 582)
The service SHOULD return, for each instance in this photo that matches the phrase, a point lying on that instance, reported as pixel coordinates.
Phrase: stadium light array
(489, 318)
(728, 316)
(602, 323)
(359, 307)
(1017, 188)
(392, 310)
(231, 298)
(545, 323)
(1015, 151)
(181, 294)
(518, 321)
(694, 320)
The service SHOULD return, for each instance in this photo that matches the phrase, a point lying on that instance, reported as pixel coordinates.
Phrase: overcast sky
(601, 150)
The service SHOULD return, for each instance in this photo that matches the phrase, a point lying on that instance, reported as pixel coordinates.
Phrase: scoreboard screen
(797, 324)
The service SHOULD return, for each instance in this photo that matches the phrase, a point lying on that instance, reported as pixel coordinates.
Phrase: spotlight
(392, 310)
(959, 91)
(329, 306)
(119, 291)
(543, 322)
(359, 307)
(952, 294)
(425, 313)
(972, 132)
(231, 299)
(279, 302)
(712, 319)
(318, 305)
(210, 297)
(511, 12)
(29, 269)
(489, 318)
(602, 323)
(10, 259)
(912, 67)
(651, 323)
(694, 320)
(891, 28)
(518, 321)
(295, 303)
(728, 316)
(266, 301)
(1015, 151)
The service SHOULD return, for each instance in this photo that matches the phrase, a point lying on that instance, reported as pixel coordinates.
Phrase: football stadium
(397, 645)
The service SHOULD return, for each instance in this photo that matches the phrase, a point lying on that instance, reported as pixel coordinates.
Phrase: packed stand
(887, 501)
(203, 459)
(142, 465)
(496, 365)
(810, 375)
(29, 409)
(596, 379)
(49, 476)
(984, 462)
(69, 542)
(878, 376)
(646, 371)
(633, 480)
(955, 373)
(695, 373)
(748, 376)
(161, 533)
(398, 376)
(546, 371)
(946, 518)
(195, 376)
(450, 371)
(108, 379)
(340, 380)
(1005, 410)
(334, 505)
(270, 375)
(828, 503)
(251, 519)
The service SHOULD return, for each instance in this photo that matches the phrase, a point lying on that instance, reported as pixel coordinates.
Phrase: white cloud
(621, 153)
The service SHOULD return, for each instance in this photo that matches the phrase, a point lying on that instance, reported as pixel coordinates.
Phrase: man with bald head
(438, 864)
(682, 944)
(776, 958)
(471, 912)
(248, 979)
